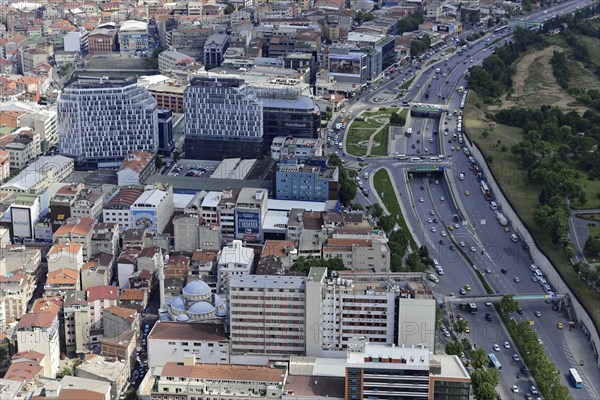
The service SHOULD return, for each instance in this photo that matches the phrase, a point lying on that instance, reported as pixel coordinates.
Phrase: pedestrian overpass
(496, 298)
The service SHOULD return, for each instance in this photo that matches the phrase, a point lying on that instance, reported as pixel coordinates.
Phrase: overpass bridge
(496, 298)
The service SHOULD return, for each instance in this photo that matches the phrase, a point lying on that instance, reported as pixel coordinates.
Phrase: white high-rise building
(101, 121)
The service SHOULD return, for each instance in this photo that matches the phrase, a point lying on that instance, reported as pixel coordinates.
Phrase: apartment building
(118, 209)
(65, 255)
(172, 341)
(401, 372)
(44, 122)
(32, 58)
(133, 38)
(87, 203)
(357, 253)
(22, 148)
(75, 324)
(267, 315)
(61, 281)
(218, 381)
(101, 121)
(25, 214)
(104, 369)
(117, 320)
(214, 49)
(226, 211)
(38, 331)
(76, 41)
(300, 148)
(250, 211)
(136, 168)
(97, 271)
(192, 233)
(235, 260)
(153, 209)
(100, 298)
(168, 95)
(189, 39)
(4, 165)
(102, 41)
(77, 230)
(310, 181)
(17, 290)
(173, 61)
(222, 120)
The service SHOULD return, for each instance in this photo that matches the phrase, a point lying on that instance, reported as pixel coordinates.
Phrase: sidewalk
(579, 347)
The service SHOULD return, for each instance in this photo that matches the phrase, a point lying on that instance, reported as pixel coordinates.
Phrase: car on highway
(515, 389)
(468, 287)
(452, 247)
(488, 316)
(431, 212)
(496, 347)
(531, 322)
(534, 390)
(421, 200)
(559, 325)
(506, 345)
(462, 291)
(488, 303)
(433, 229)
(472, 248)
(444, 233)
(456, 226)
(430, 220)
(517, 280)
(538, 314)
(488, 271)
(442, 198)
(467, 193)
(462, 244)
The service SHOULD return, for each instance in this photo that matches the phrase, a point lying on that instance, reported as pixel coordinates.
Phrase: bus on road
(473, 308)
(577, 382)
(501, 29)
(494, 363)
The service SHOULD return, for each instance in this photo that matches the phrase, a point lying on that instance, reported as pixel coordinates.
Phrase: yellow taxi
(559, 325)
(531, 322)
(467, 287)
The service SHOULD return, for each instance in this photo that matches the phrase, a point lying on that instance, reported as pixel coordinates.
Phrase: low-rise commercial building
(136, 168)
(99, 368)
(153, 209)
(40, 174)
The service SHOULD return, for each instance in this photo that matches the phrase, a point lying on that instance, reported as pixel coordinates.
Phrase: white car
(433, 229)
(515, 389)
(538, 314)
(421, 200)
(506, 345)
(516, 357)
(517, 280)
(496, 347)
(442, 198)
(472, 249)
(534, 390)
(444, 233)
(462, 244)
(430, 220)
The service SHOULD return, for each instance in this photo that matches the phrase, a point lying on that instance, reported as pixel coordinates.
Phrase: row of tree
(420, 45)
(410, 23)
(533, 353)
(398, 240)
(348, 185)
(494, 77)
(304, 264)
(560, 68)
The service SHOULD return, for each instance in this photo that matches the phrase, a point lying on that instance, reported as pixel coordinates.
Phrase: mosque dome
(201, 308)
(196, 288)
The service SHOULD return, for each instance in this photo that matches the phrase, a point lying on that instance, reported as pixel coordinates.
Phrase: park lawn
(382, 138)
(385, 190)
(591, 190)
(403, 113)
(363, 124)
(522, 194)
(594, 230)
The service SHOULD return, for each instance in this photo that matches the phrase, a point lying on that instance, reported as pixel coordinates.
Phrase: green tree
(229, 9)
(387, 223)
(479, 358)
(508, 304)
(466, 344)
(158, 162)
(2, 355)
(357, 207)
(485, 391)
(376, 210)
(304, 264)
(592, 246)
(410, 23)
(454, 349)
(460, 326)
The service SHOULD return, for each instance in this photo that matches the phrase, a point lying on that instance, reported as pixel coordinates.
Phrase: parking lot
(191, 168)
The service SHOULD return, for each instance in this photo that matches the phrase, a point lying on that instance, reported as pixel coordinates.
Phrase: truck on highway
(338, 126)
(502, 219)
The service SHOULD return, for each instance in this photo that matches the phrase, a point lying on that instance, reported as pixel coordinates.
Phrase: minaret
(161, 285)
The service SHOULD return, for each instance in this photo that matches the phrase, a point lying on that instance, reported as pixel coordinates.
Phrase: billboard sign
(143, 219)
(248, 226)
(21, 222)
(348, 64)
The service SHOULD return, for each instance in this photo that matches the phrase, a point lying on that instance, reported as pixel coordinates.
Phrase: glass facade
(451, 390)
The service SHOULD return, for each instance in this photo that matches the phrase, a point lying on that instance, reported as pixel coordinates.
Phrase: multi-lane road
(430, 203)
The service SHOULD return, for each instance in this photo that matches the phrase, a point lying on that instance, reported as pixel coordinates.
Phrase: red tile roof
(224, 372)
(82, 228)
(132, 295)
(102, 292)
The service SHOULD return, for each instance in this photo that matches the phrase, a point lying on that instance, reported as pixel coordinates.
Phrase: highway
(430, 202)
